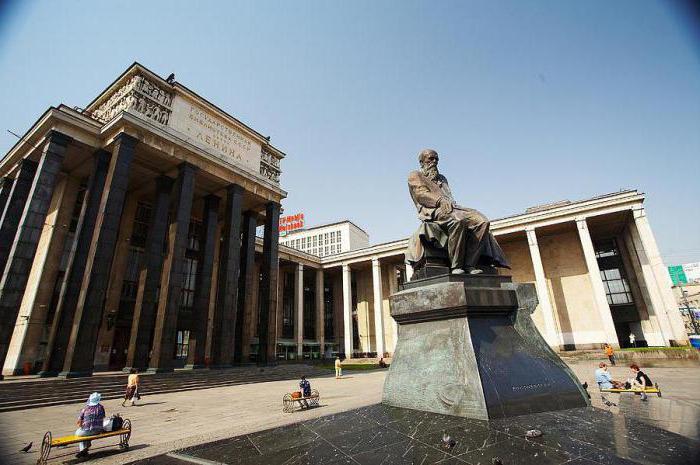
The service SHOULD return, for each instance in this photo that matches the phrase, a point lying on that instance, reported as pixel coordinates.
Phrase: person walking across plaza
(132, 388)
(90, 422)
(338, 368)
(610, 353)
(641, 380)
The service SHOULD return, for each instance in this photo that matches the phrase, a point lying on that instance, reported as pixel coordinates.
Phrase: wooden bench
(49, 442)
(289, 402)
(650, 390)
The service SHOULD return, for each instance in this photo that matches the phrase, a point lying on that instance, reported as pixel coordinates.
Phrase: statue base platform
(467, 346)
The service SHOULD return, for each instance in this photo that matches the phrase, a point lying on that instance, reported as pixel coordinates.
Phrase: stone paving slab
(172, 421)
(384, 435)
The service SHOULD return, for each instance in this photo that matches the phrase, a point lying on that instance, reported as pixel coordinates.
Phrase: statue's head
(428, 160)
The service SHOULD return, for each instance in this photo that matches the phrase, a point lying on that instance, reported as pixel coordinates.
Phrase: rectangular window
(182, 345)
(617, 289)
(315, 241)
(142, 220)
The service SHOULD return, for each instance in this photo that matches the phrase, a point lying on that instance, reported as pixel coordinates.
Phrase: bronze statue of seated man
(446, 226)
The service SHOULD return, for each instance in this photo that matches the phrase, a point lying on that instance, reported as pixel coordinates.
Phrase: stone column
(80, 351)
(653, 332)
(393, 288)
(24, 244)
(202, 294)
(347, 310)
(16, 200)
(299, 308)
(551, 334)
(224, 329)
(6, 184)
(320, 312)
(599, 296)
(172, 275)
(658, 283)
(149, 279)
(378, 310)
(122, 256)
(25, 344)
(246, 288)
(75, 268)
(268, 293)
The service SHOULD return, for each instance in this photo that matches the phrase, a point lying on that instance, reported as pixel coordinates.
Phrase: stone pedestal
(468, 347)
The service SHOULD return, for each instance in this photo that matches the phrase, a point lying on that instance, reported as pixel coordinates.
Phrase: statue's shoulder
(442, 178)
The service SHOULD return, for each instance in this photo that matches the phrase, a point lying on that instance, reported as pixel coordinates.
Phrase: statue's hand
(444, 207)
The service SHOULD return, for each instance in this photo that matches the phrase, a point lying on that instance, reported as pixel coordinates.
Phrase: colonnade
(26, 198)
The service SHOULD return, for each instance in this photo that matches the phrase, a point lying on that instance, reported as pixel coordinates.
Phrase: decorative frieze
(140, 95)
(270, 166)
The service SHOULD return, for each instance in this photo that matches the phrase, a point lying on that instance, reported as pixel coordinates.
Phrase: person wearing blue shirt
(604, 379)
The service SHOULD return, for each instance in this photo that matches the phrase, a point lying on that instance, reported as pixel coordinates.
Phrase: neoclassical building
(128, 240)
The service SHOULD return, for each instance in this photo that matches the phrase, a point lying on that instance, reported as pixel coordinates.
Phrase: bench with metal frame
(289, 401)
(49, 442)
(651, 390)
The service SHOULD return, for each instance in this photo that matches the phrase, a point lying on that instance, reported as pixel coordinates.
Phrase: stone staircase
(43, 392)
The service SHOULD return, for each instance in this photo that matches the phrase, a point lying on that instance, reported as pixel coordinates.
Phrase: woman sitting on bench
(90, 422)
(641, 380)
(604, 379)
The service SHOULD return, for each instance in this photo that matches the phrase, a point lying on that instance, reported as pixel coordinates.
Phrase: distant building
(327, 239)
(688, 298)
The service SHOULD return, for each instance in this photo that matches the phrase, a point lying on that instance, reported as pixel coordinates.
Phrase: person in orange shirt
(609, 353)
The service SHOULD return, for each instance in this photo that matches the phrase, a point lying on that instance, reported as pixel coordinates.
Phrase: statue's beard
(431, 173)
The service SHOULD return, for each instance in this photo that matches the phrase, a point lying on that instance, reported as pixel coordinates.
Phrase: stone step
(42, 392)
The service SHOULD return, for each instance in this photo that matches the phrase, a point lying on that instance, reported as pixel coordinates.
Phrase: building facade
(128, 240)
(327, 239)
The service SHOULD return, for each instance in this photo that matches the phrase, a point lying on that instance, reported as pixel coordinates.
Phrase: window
(617, 289)
(339, 236)
(141, 223)
(315, 241)
(182, 345)
(188, 283)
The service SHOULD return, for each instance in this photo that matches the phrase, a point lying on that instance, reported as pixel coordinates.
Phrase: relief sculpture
(140, 95)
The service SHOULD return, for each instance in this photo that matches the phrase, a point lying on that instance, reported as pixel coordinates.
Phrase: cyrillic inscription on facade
(215, 134)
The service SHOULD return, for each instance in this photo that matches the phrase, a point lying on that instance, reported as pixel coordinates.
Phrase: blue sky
(527, 102)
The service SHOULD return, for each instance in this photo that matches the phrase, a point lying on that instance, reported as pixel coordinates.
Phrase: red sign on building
(291, 223)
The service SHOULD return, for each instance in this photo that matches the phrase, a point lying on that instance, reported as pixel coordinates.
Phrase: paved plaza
(172, 421)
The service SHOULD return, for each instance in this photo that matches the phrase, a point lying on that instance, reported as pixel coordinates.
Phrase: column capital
(581, 222)
(126, 139)
(346, 268)
(59, 138)
(531, 237)
(187, 166)
(164, 183)
(375, 261)
(638, 212)
(300, 266)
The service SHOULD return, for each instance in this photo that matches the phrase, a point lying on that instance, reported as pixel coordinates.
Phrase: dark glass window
(309, 309)
(182, 345)
(188, 284)
(288, 306)
(328, 329)
(142, 221)
(617, 289)
(77, 208)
